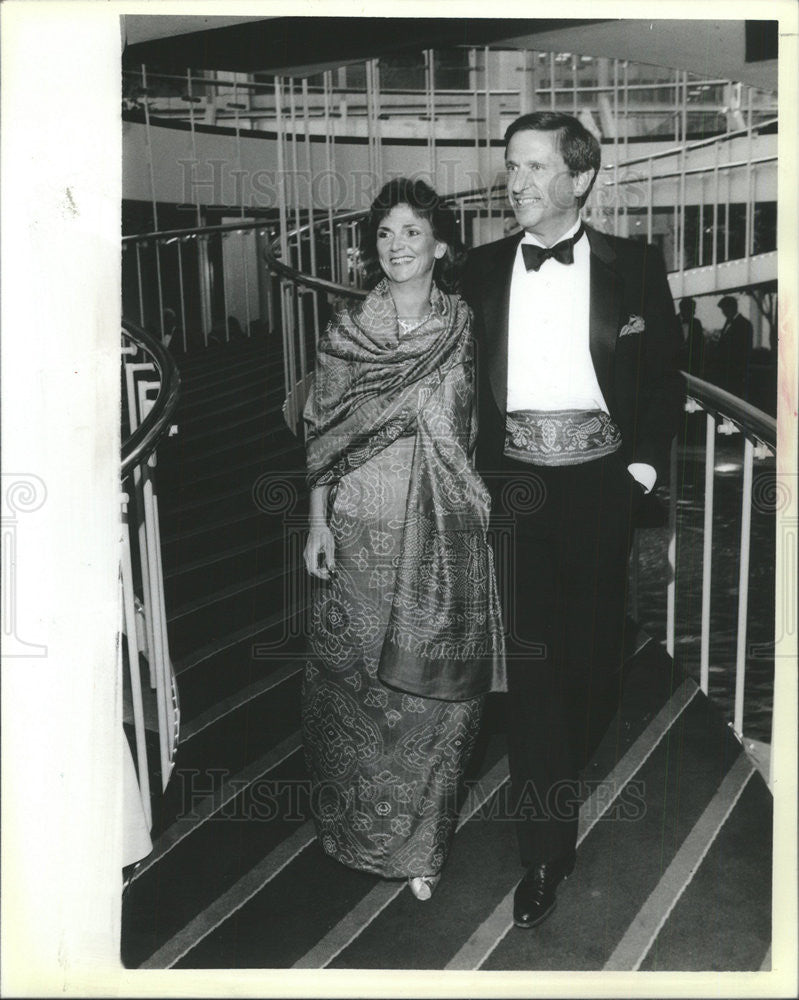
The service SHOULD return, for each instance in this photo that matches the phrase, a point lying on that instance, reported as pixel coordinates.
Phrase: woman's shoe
(422, 886)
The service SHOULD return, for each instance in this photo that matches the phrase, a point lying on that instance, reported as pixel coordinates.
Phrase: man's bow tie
(563, 252)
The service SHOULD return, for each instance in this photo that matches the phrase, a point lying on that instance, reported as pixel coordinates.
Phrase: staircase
(675, 828)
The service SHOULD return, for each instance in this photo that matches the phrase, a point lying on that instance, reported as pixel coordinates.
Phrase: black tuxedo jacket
(637, 372)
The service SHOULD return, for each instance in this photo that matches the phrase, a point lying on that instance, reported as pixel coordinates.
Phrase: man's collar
(536, 241)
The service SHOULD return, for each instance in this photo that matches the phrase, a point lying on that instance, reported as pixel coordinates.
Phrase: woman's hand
(320, 552)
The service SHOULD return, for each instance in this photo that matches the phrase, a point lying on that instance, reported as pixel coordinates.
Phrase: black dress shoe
(534, 898)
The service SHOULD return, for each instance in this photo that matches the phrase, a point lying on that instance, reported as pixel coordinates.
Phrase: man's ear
(582, 182)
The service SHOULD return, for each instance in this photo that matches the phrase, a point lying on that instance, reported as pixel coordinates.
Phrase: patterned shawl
(444, 638)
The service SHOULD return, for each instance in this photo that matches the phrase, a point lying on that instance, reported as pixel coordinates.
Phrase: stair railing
(150, 390)
(726, 414)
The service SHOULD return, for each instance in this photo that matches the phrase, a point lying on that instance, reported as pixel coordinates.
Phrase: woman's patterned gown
(385, 766)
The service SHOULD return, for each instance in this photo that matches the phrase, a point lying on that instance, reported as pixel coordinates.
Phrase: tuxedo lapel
(607, 297)
(496, 303)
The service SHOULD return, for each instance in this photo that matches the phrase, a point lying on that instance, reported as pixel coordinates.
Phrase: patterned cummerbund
(560, 437)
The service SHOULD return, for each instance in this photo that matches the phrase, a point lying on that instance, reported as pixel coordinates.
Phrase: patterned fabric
(444, 636)
(385, 766)
(412, 607)
(560, 437)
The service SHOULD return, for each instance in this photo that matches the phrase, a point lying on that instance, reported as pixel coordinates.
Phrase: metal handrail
(193, 232)
(142, 442)
(689, 171)
(749, 419)
(715, 139)
(213, 82)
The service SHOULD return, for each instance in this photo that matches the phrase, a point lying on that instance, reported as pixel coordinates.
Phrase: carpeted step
(185, 881)
(231, 498)
(255, 528)
(276, 448)
(209, 361)
(192, 581)
(216, 441)
(226, 410)
(623, 858)
(232, 672)
(235, 608)
(722, 920)
(482, 868)
(243, 475)
(237, 496)
(221, 377)
(232, 734)
(269, 904)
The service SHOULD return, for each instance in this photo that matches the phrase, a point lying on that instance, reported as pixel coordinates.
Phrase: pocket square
(635, 324)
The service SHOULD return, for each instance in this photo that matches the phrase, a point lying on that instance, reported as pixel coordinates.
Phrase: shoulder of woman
(461, 306)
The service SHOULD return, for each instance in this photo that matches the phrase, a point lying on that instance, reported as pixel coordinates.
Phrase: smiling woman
(405, 636)
(407, 251)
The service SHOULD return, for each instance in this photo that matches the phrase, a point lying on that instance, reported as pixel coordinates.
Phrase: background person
(692, 355)
(734, 349)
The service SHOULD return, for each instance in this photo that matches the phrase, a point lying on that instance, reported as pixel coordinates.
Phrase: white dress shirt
(549, 355)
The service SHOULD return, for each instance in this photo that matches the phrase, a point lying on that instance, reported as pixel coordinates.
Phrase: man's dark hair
(578, 147)
(426, 204)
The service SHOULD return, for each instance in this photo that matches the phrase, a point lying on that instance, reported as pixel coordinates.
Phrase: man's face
(542, 191)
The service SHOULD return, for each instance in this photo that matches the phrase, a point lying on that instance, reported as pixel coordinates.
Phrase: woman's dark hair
(426, 204)
(578, 147)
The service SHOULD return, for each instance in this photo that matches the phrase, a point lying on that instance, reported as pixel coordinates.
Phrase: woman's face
(406, 247)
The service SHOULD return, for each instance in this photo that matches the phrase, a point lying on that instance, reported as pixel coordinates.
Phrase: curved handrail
(701, 143)
(142, 442)
(752, 421)
(194, 231)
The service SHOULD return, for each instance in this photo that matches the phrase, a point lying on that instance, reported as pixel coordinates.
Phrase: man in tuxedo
(579, 395)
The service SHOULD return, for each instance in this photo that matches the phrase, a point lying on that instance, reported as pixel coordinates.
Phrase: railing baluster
(311, 220)
(244, 239)
(140, 285)
(671, 588)
(329, 151)
(223, 276)
(158, 623)
(151, 174)
(179, 247)
(707, 551)
(743, 586)
(131, 641)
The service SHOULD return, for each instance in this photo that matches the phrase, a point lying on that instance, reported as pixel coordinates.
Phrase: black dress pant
(565, 594)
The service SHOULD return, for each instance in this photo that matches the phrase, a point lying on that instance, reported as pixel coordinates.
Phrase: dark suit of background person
(692, 355)
(569, 573)
(734, 349)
